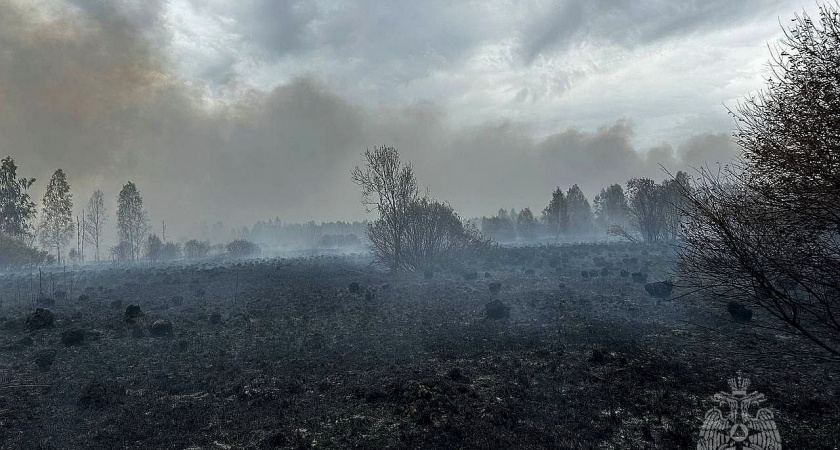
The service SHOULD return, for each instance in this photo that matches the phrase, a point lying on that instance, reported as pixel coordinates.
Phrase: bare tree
(767, 232)
(389, 187)
(434, 237)
(95, 218)
(647, 208)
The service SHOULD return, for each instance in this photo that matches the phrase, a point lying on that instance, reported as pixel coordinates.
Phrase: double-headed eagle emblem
(739, 428)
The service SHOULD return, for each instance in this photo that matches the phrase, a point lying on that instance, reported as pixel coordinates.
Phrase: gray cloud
(503, 165)
(82, 92)
(629, 24)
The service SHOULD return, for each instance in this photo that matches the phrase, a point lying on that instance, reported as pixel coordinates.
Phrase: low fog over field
(312, 224)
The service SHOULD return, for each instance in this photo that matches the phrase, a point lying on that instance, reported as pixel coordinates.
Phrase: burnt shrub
(94, 395)
(495, 287)
(659, 289)
(161, 327)
(241, 248)
(73, 337)
(40, 319)
(598, 356)
(496, 310)
(739, 312)
(44, 359)
(134, 316)
(639, 277)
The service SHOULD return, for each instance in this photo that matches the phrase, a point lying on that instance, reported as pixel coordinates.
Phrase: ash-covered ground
(532, 348)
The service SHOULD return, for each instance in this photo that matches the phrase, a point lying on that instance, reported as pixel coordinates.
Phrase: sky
(236, 111)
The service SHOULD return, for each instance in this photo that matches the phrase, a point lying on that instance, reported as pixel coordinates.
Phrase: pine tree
(580, 213)
(556, 214)
(57, 225)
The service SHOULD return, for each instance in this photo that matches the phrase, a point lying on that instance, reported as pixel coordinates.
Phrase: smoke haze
(99, 89)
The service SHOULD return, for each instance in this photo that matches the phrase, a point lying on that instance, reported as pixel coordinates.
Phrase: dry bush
(240, 248)
(767, 233)
(434, 237)
(15, 254)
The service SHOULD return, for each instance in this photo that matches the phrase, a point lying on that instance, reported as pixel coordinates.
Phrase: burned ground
(328, 352)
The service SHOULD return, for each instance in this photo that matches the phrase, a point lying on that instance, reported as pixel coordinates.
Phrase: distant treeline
(55, 233)
(275, 233)
(643, 211)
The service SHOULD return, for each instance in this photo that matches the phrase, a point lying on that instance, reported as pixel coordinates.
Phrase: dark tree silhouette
(611, 207)
(647, 208)
(526, 224)
(154, 248)
(767, 232)
(579, 210)
(196, 249)
(389, 187)
(556, 214)
(674, 192)
(499, 227)
(435, 237)
(16, 207)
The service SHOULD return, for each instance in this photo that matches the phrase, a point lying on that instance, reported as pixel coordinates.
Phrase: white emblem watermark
(744, 426)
